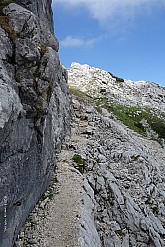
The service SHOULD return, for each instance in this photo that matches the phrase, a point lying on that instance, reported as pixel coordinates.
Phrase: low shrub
(78, 159)
(80, 163)
(119, 79)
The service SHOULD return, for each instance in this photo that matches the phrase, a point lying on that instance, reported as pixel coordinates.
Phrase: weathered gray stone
(123, 170)
(34, 111)
(87, 232)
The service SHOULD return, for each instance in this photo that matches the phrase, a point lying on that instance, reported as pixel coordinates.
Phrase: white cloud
(114, 10)
(71, 41)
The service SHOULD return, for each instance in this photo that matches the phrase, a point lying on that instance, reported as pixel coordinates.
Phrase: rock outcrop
(34, 109)
(97, 82)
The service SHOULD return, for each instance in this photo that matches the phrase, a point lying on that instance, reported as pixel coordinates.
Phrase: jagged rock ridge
(34, 109)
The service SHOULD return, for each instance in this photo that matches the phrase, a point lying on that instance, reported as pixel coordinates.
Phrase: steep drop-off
(34, 109)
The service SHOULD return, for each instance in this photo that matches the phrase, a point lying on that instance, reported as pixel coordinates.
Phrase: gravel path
(53, 222)
(59, 228)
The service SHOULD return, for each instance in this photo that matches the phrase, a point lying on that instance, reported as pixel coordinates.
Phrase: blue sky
(125, 37)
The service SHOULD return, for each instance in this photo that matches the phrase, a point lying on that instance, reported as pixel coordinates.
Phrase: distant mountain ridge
(95, 82)
(139, 105)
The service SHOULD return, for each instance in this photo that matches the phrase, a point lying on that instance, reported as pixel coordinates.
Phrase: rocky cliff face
(140, 105)
(34, 109)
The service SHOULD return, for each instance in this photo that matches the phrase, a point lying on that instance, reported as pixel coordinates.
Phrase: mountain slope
(96, 81)
(140, 105)
(116, 174)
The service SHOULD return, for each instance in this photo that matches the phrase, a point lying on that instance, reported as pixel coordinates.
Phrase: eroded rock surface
(116, 175)
(34, 110)
(126, 174)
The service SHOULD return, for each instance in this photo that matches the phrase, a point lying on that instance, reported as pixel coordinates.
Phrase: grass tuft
(80, 95)
(132, 116)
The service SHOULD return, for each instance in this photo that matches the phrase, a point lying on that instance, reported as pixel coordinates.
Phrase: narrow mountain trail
(108, 189)
(57, 222)
(58, 227)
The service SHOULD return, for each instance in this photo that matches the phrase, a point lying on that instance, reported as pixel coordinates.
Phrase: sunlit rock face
(97, 82)
(34, 109)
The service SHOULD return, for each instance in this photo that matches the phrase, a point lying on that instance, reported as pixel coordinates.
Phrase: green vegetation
(132, 117)
(117, 78)
(102, 102)
(80, 95)
(158, 125)
(78, 159)
(80, 162)
(99, 109)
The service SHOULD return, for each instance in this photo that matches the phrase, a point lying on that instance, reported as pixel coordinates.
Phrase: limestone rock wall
(34, 110)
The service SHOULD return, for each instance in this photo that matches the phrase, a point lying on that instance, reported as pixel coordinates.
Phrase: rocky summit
(97, 82)
(100, 145)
